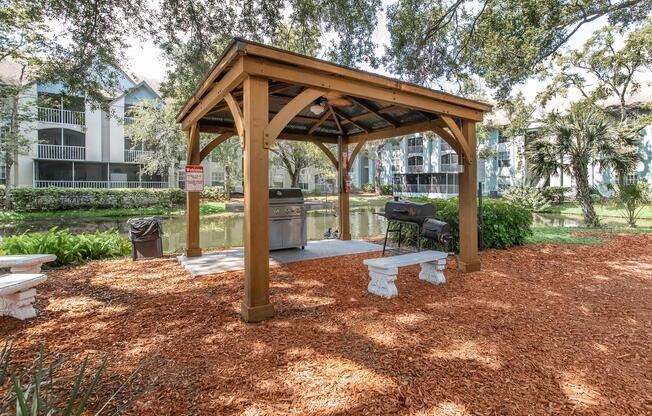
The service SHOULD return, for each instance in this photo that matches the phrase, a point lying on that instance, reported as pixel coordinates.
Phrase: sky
(144, 58)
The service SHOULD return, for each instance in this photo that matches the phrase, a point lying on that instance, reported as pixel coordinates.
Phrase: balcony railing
(427, 189)
(58, 116)
(445, 147)
(128, 120)
(136, 155)
(414, 169)
(101, 184)
(55, 151)
(415, 149)
(451, 168)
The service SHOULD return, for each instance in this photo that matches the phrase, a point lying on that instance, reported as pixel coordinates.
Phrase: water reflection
(223, 230)
(226, 230)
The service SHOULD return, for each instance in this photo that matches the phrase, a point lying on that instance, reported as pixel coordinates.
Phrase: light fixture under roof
(317, 108)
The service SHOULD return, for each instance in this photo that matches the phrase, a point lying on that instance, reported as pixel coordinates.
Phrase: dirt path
(541, 330)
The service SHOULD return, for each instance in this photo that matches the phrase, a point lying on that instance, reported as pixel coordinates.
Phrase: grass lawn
(578, 235)
(603, 210)
(206, 208)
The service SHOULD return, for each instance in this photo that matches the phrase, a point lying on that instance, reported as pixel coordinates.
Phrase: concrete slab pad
(233, 259)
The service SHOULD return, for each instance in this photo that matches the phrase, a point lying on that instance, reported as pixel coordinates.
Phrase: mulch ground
(543, 329)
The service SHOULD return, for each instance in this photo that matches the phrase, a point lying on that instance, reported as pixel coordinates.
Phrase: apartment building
(76, 144)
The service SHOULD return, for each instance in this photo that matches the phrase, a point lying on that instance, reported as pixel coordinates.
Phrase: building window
(501, 137)
(303, 185)
(217, 178)
(415, 161)
(394, 168)
(631, 179)
(503, 159)
(449, 159)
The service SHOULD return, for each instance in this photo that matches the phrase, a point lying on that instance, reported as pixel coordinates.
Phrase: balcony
(136, 155)
(128, 120)
(415, 149)
(445, 147)
(451, 168)
(58, 116)
(427, 189)
(101, 184)
(58, 152)
(414, 169)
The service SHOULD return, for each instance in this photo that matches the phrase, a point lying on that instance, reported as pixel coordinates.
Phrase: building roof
(355, 111)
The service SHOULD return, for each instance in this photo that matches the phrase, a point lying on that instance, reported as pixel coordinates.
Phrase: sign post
(194, 178)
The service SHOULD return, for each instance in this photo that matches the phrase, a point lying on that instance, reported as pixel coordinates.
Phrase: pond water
(225, 230)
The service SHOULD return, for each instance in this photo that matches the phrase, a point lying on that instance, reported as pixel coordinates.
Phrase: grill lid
(294, 194)
(409, 211)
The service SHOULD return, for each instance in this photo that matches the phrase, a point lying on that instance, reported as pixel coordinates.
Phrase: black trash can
(145, 236)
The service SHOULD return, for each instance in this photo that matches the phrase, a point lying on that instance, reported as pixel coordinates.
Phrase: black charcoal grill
(421, 215)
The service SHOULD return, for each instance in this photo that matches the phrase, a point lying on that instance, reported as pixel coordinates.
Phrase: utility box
(145, 235)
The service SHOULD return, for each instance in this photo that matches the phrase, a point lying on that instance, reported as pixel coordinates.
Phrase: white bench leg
(433, 272)
(383, 282)
(19, 305)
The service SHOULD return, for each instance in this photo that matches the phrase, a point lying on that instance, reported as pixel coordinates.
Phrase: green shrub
(69, 248)
(386, 189)
(2, 196)
(555, 194)
(213, 192)
(368, 187)
(527, 197)
(505, 225)
(55, 199)
(631, 199)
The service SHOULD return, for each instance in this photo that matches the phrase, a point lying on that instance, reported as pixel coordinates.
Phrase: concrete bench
(28, 263)
(383, 271)
(17, 294)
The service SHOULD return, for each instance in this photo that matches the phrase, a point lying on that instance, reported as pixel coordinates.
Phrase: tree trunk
(584, 195)
(294, 175)
(227, 182)
(378, 170)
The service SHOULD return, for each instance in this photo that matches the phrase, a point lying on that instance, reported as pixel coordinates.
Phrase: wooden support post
(469, 260)
(255, 304)
(343, 171)
(192, 198)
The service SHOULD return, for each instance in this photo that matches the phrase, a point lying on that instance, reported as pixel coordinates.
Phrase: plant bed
(542, 329)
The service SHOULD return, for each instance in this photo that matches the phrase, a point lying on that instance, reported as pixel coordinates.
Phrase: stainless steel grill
(287, 219)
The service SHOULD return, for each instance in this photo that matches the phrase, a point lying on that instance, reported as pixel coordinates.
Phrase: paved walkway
(233, 259)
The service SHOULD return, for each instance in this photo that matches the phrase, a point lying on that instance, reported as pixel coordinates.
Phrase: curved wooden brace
(193, 144)
(287, 113)
(213, 144)
(236, 112)
(328, 153)
(469, 154)
(448, 138)
(354, 154)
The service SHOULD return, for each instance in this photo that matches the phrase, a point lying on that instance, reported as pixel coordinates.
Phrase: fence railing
(56, 115)
(135, 155)
(55, 151)
(451, 168)
(414, 169)
(427, 189)
(101, 184)
(415, 149)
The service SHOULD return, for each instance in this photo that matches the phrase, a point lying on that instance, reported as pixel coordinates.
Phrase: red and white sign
(194, 178)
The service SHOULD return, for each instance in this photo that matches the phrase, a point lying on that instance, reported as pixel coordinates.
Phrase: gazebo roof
(371, 106)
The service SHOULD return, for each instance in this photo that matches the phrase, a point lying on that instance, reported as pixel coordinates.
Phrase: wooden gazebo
(264, 94)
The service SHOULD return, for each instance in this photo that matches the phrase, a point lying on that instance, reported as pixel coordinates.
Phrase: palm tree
(584, 137)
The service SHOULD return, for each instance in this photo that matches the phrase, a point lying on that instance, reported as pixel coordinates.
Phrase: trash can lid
(144, 229)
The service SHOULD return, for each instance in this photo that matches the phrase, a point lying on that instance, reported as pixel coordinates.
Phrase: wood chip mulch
(542, 329)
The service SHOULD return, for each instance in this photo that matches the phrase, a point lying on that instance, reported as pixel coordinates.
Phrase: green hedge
(504, 225)
(386, 189)
(69, 248)
(54, 199)
(368, 187)
(213, 192)
(2, 197)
